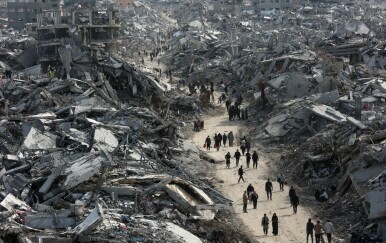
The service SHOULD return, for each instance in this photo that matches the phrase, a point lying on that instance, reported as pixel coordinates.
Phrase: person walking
(329, 229)
(220, 138)
(295, 203)
(231, 138)
(224, 139)
(208, 142)
(291, 194)
(275, 224)
(228, 104)
(268, 189)
(228, 160)
(250, 189)
(237, 156)
(242, 145)
(217, 143)
(248, 159)
(245, 202)
(254, 198)
(247, 145)
(255, 158)
(241, 173)
(265, 224)
(281, 180)
(318, 231)
(310, 230)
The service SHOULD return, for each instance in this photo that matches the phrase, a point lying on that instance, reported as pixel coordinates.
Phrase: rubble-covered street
(106, 106)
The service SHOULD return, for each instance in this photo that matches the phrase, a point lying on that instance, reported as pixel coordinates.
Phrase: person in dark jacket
(295, 203)
(241, 173)
(228, 104)
(291, 194)
(255, 158)
(310, 230)
(265, 224)
(220, 138)
(208, 142)
(247, 145)
(242, 145)
(250, 189)
(248, 159)
(275, 224)
(217, 142)
(231, 138)
(228, 160)
(224, 139)
(254, 198)
(237, 156)
(268, 189)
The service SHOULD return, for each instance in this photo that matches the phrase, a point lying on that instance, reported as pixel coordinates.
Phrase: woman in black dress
(275, 224)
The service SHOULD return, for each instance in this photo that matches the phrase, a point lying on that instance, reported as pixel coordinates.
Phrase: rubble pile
(322, 68)
(90, 153)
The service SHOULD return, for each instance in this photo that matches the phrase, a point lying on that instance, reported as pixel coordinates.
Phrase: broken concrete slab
(49, 221)
(38, 140)
(82, 170)
(106, 139)
(91, 222)
(10, 201)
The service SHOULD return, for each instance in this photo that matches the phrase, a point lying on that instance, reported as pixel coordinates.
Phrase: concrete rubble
(92, 142)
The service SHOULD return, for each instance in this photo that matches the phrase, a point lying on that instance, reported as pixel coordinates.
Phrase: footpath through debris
(291, 226)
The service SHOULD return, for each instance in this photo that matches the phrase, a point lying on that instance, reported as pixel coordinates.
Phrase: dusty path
(291, 227)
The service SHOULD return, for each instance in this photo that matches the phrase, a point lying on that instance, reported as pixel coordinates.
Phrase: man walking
(242, 145)
(208, 142)
(268, 189)
(265, 224)
(291, 194)
(281, 180)
(254, 198)
(247, 145)
(248, 158)
(237, 156)
(228, 160)
(224, 139)
(220, 138)
(245, 202)
(318, 232)
(310, 230)
(295, 203)
(241, 173)
(217, 142)
(255, 158)
(329, 229)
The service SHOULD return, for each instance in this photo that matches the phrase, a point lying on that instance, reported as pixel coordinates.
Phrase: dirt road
(291, 226)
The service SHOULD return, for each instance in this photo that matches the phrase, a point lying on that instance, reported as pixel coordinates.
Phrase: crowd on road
(250, 195)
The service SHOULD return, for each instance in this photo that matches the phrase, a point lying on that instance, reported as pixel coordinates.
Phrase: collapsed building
(91, 153)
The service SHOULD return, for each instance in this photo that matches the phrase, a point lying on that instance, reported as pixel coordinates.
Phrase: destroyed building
(62, 35)
(98, 151)
(20, 12)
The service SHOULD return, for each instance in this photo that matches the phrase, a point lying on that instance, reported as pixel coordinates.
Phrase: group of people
(236, 112)
(317, 229)
(218, 140)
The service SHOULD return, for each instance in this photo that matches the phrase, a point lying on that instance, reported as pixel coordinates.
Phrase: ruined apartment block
(20, 12)
(79, 31)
